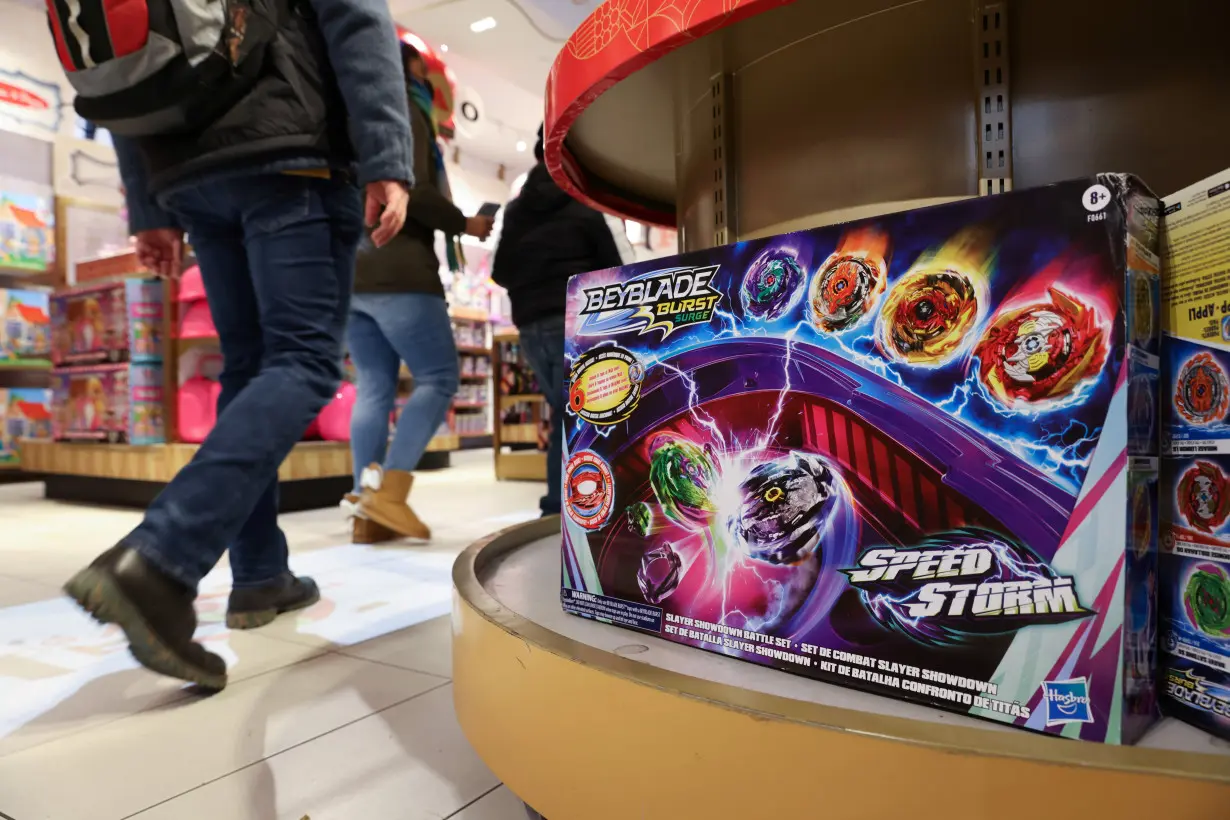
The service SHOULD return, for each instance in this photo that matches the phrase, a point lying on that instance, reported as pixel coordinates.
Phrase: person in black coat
(546, 238)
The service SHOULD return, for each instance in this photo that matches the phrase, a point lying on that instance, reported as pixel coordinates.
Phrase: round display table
(586, 721)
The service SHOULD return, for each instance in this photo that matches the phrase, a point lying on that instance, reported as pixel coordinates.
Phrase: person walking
(399, 314)
(260, 147)
(546, 237)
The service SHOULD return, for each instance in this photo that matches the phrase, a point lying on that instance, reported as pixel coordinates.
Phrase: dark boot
(252, 607)
(154, 610)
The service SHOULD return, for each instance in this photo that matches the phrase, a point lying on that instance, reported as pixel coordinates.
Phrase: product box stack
(25, 413)
(25, 342)
(25, 327)
(1195, 496)
(107, 351)
(914, 454)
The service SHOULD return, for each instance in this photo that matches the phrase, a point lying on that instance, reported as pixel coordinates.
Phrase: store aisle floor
(341, 713)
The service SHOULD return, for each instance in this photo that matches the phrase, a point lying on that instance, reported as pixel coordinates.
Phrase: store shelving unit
(472, 413)
(519, 441)
(738, 119)
(316, 474)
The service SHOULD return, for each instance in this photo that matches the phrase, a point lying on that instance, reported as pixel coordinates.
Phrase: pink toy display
(334, 420)
(191, 286)
(113, 403)
(197, 402)
(112, 322)
(196, 322)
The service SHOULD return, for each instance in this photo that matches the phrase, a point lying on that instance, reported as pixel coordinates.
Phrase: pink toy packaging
(110, 403)
(111, 322)
(25, 327)
(25, 413)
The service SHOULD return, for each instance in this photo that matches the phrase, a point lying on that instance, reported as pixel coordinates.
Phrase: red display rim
(620, 38)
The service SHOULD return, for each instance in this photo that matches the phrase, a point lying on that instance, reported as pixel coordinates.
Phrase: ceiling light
(443, 47)
(520, 146)
(485, 24)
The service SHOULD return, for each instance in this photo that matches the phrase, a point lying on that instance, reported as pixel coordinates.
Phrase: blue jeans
(542, 342)
(385, 330)
(277, 255)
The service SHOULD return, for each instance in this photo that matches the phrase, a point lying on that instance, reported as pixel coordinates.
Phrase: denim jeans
(542, 342)
(385, 330)
(277, 255)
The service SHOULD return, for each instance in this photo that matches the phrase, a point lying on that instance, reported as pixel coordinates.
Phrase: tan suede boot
(384, 501)
(366, 531)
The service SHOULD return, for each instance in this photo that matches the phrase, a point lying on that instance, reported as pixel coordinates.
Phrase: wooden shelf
(523, 465)
(526, 433)
(469, 315)
(470, 405)
(473, 351)
(444, 444)
(31, 366)
(160, 462)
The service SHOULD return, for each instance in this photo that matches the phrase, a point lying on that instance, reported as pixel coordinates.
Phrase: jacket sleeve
(362, 46)
(144, 213)
(428, 206)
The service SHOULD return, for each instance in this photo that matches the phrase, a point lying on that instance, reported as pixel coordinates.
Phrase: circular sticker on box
(1096, 198)
(589, 490)
(605, 384)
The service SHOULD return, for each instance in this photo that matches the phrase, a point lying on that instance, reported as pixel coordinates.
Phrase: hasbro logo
(1067, 701)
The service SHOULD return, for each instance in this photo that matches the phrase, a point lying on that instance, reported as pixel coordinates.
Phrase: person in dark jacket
(546, 237)
(399, 314)
(270, 194)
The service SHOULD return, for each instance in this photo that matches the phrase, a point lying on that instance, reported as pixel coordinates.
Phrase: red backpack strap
(91, 32)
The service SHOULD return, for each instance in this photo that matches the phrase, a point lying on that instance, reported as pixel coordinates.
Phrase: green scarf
(421, 95)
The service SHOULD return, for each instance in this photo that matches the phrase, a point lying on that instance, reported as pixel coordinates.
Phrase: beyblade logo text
(1197, 691)
(969, 582)
(666, 300)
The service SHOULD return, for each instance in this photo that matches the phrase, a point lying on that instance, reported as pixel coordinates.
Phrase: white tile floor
(343, 712)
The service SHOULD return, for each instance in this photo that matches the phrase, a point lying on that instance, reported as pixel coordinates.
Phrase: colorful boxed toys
(914, 454)
(1195, 498)
(109, 403)
(111, 322)
(25, 413)
(25, 326)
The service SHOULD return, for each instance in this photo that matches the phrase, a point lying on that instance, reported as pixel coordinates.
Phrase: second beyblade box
(1195, 496)
(914, 454)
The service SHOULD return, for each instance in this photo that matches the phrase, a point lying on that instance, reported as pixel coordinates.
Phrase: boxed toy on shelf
(111, 322)
(25, 413)
(109, 403)
(25, 326)
(891, 454)
(1195, 494)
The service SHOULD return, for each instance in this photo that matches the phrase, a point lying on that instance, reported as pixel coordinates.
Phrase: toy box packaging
(111, 403)
(111, 322)
(25, 413)
(25, 326)
(1195, 496)
(914, 454)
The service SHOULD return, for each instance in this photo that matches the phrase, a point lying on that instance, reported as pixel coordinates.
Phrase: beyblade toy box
(914, 454)
(1195, 496)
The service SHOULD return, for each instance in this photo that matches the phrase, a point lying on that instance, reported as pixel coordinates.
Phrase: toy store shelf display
(522, 420)
(132, 394)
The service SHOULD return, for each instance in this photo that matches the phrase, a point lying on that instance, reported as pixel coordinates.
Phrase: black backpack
(149, 67)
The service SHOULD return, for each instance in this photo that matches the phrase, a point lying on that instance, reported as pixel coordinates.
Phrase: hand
(161, 251)
(479, 226)
(386, 209)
